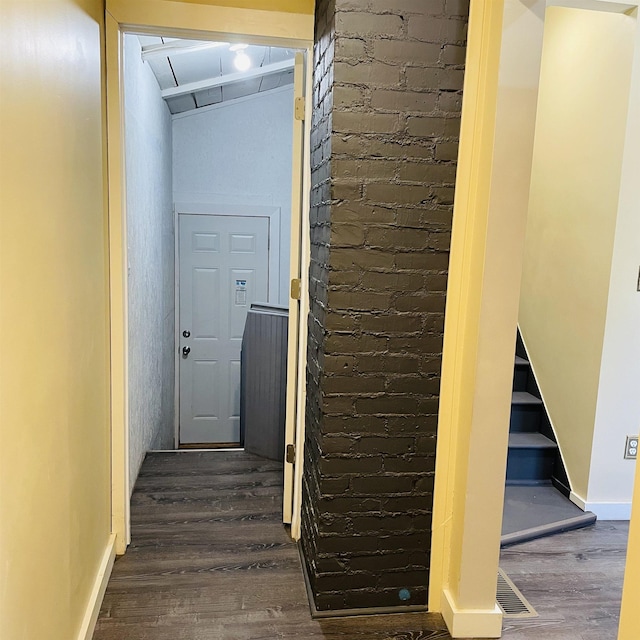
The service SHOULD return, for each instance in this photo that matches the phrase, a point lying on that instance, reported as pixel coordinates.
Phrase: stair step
(533, 512)
(530, 441)
(522, 397)
(531, 458)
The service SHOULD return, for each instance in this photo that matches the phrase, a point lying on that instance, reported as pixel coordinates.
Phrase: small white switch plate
(631, 448)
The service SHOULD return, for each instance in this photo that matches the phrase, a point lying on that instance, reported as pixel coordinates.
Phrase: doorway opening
(152, 174)
(580, 227)
(574, 334)
(208, 154)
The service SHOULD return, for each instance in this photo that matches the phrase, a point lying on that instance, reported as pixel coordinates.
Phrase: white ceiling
(193, 73)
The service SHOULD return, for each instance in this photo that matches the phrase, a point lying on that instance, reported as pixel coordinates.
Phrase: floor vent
(512, 603)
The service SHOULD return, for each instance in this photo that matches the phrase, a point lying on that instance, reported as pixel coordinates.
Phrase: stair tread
(523, 397)
(530, 441)
(533, 512)
(521, 361)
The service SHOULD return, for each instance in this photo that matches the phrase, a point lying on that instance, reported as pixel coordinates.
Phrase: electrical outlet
(631, 448)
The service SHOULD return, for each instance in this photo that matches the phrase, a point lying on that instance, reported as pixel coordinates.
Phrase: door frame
(237, 211)
(175, 19)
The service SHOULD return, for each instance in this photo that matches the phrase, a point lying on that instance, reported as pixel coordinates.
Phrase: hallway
(210, 560)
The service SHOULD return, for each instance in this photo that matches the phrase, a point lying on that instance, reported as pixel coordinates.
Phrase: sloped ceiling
(194, 74)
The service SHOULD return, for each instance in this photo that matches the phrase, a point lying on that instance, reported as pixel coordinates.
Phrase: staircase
(537, 487)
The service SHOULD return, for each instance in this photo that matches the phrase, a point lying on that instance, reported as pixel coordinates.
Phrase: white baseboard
(603, 510)
(97, 592)
(470, 623)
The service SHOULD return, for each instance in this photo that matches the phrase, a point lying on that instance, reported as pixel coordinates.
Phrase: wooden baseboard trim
(97, 592)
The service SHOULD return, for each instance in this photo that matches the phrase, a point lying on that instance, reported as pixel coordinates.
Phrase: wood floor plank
(211, 560)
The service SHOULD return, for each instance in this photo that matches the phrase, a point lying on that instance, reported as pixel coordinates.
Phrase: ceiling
(193, 73)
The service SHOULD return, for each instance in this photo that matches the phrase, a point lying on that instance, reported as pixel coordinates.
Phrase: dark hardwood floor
(210, 560)
(573, 580)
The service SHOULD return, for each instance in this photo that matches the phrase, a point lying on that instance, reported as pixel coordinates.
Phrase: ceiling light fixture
(242, 61)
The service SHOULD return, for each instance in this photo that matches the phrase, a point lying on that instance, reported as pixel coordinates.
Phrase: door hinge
(299, 108)
(291, 453)
(296, 287)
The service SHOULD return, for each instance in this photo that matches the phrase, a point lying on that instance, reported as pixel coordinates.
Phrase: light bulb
(242, 61)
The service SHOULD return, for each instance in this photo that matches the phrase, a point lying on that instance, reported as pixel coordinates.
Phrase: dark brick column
(387, 98)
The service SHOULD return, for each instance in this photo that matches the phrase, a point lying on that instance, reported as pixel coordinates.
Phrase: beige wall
(575, 184)
(54, 458)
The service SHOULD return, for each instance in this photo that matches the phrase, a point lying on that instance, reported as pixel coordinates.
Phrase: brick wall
(387, 97)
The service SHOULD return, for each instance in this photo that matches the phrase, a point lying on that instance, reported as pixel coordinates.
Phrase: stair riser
(520, 377)
(530, 465)
(524, 418)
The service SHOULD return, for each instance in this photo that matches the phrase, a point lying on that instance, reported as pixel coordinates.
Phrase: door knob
(186, 334)
(186, 351)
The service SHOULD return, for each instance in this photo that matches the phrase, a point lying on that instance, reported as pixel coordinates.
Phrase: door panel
(224, 267)
(205, 377)
(206, 314)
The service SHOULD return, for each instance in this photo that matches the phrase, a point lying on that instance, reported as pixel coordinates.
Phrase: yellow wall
(54, 422)
(575, 182)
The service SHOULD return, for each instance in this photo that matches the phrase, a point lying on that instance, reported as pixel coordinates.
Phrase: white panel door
(224, 267)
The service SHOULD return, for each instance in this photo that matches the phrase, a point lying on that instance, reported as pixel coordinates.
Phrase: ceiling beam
(176, 47)
(219, 81)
